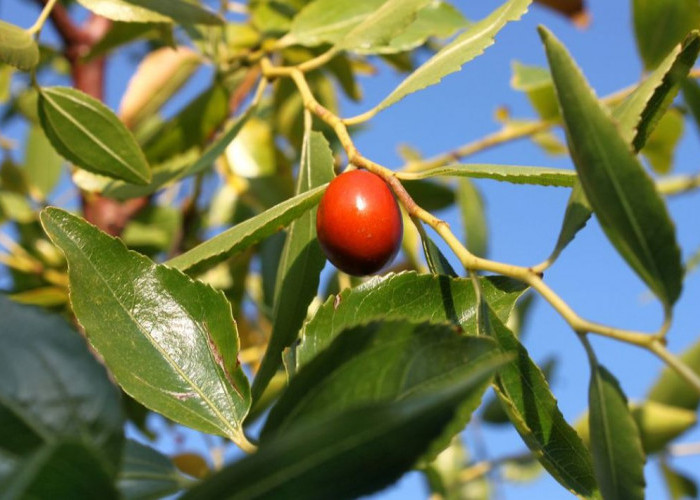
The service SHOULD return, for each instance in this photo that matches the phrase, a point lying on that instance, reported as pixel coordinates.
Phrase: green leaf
(6, 73)
(63, 469)
(660, 424)
(531, 406)
(618, 457)
(661, 24)
(473, 212)
(437, 19)
(661, 145)
(437, 262)
(405, 296)
(378, 28)
(156, 311)
(640, 112)
(431, 196)
(191, 127)
(146, 474)
(398, 359)
(538, 176)
(300, 264)
(679, 485)
(691, 94)
(153, 11)
(465, 47)
(17, 47)
(672, 390)
(89, 134)
(153, 229)
(623, 197)
(189, 163)
(521, 469)
(578, 211)
(315, 460)
(246, 233)
(328, 21)
(41, 398)
(42, 164)
(536, 82)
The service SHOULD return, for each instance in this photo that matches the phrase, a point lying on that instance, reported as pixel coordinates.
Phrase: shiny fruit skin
(359, 223)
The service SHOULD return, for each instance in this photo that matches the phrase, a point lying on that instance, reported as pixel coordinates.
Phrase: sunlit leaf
(17, 47)
(89, 134)
(623, 197)
(465, 47)
(247, 233)
(176, 351)
(538, 176)
(405, 296)
(153, 11)
(670, 389)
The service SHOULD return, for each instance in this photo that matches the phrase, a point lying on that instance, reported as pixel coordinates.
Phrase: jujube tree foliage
(184, 276)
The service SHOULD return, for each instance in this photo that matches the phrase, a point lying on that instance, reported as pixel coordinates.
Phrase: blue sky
(524, 221)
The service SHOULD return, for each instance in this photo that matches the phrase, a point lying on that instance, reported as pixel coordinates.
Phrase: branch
(69, 32)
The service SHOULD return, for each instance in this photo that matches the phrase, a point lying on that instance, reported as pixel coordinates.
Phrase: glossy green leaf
(17, 47)
(661, 24)
(618, 458)
(437, 262)
(679, 485)
(473, 212)
(146, 474)
(247, 233)
(153, 11)
(578, 211)
(531, 406)
(405, 296)
(397, 359)
(177, 344)
(623, 197)
(465, 47)
(378, 28)
(89, 134)
(536, 82)
(538, 176)
(300, 264)
(661, 146)
(63, 469)
(42, 164)
(316, 459)
(640, 112)
(41, 398)
(672, 390)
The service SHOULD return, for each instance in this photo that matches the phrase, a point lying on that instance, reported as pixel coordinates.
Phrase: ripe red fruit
(359, 223)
